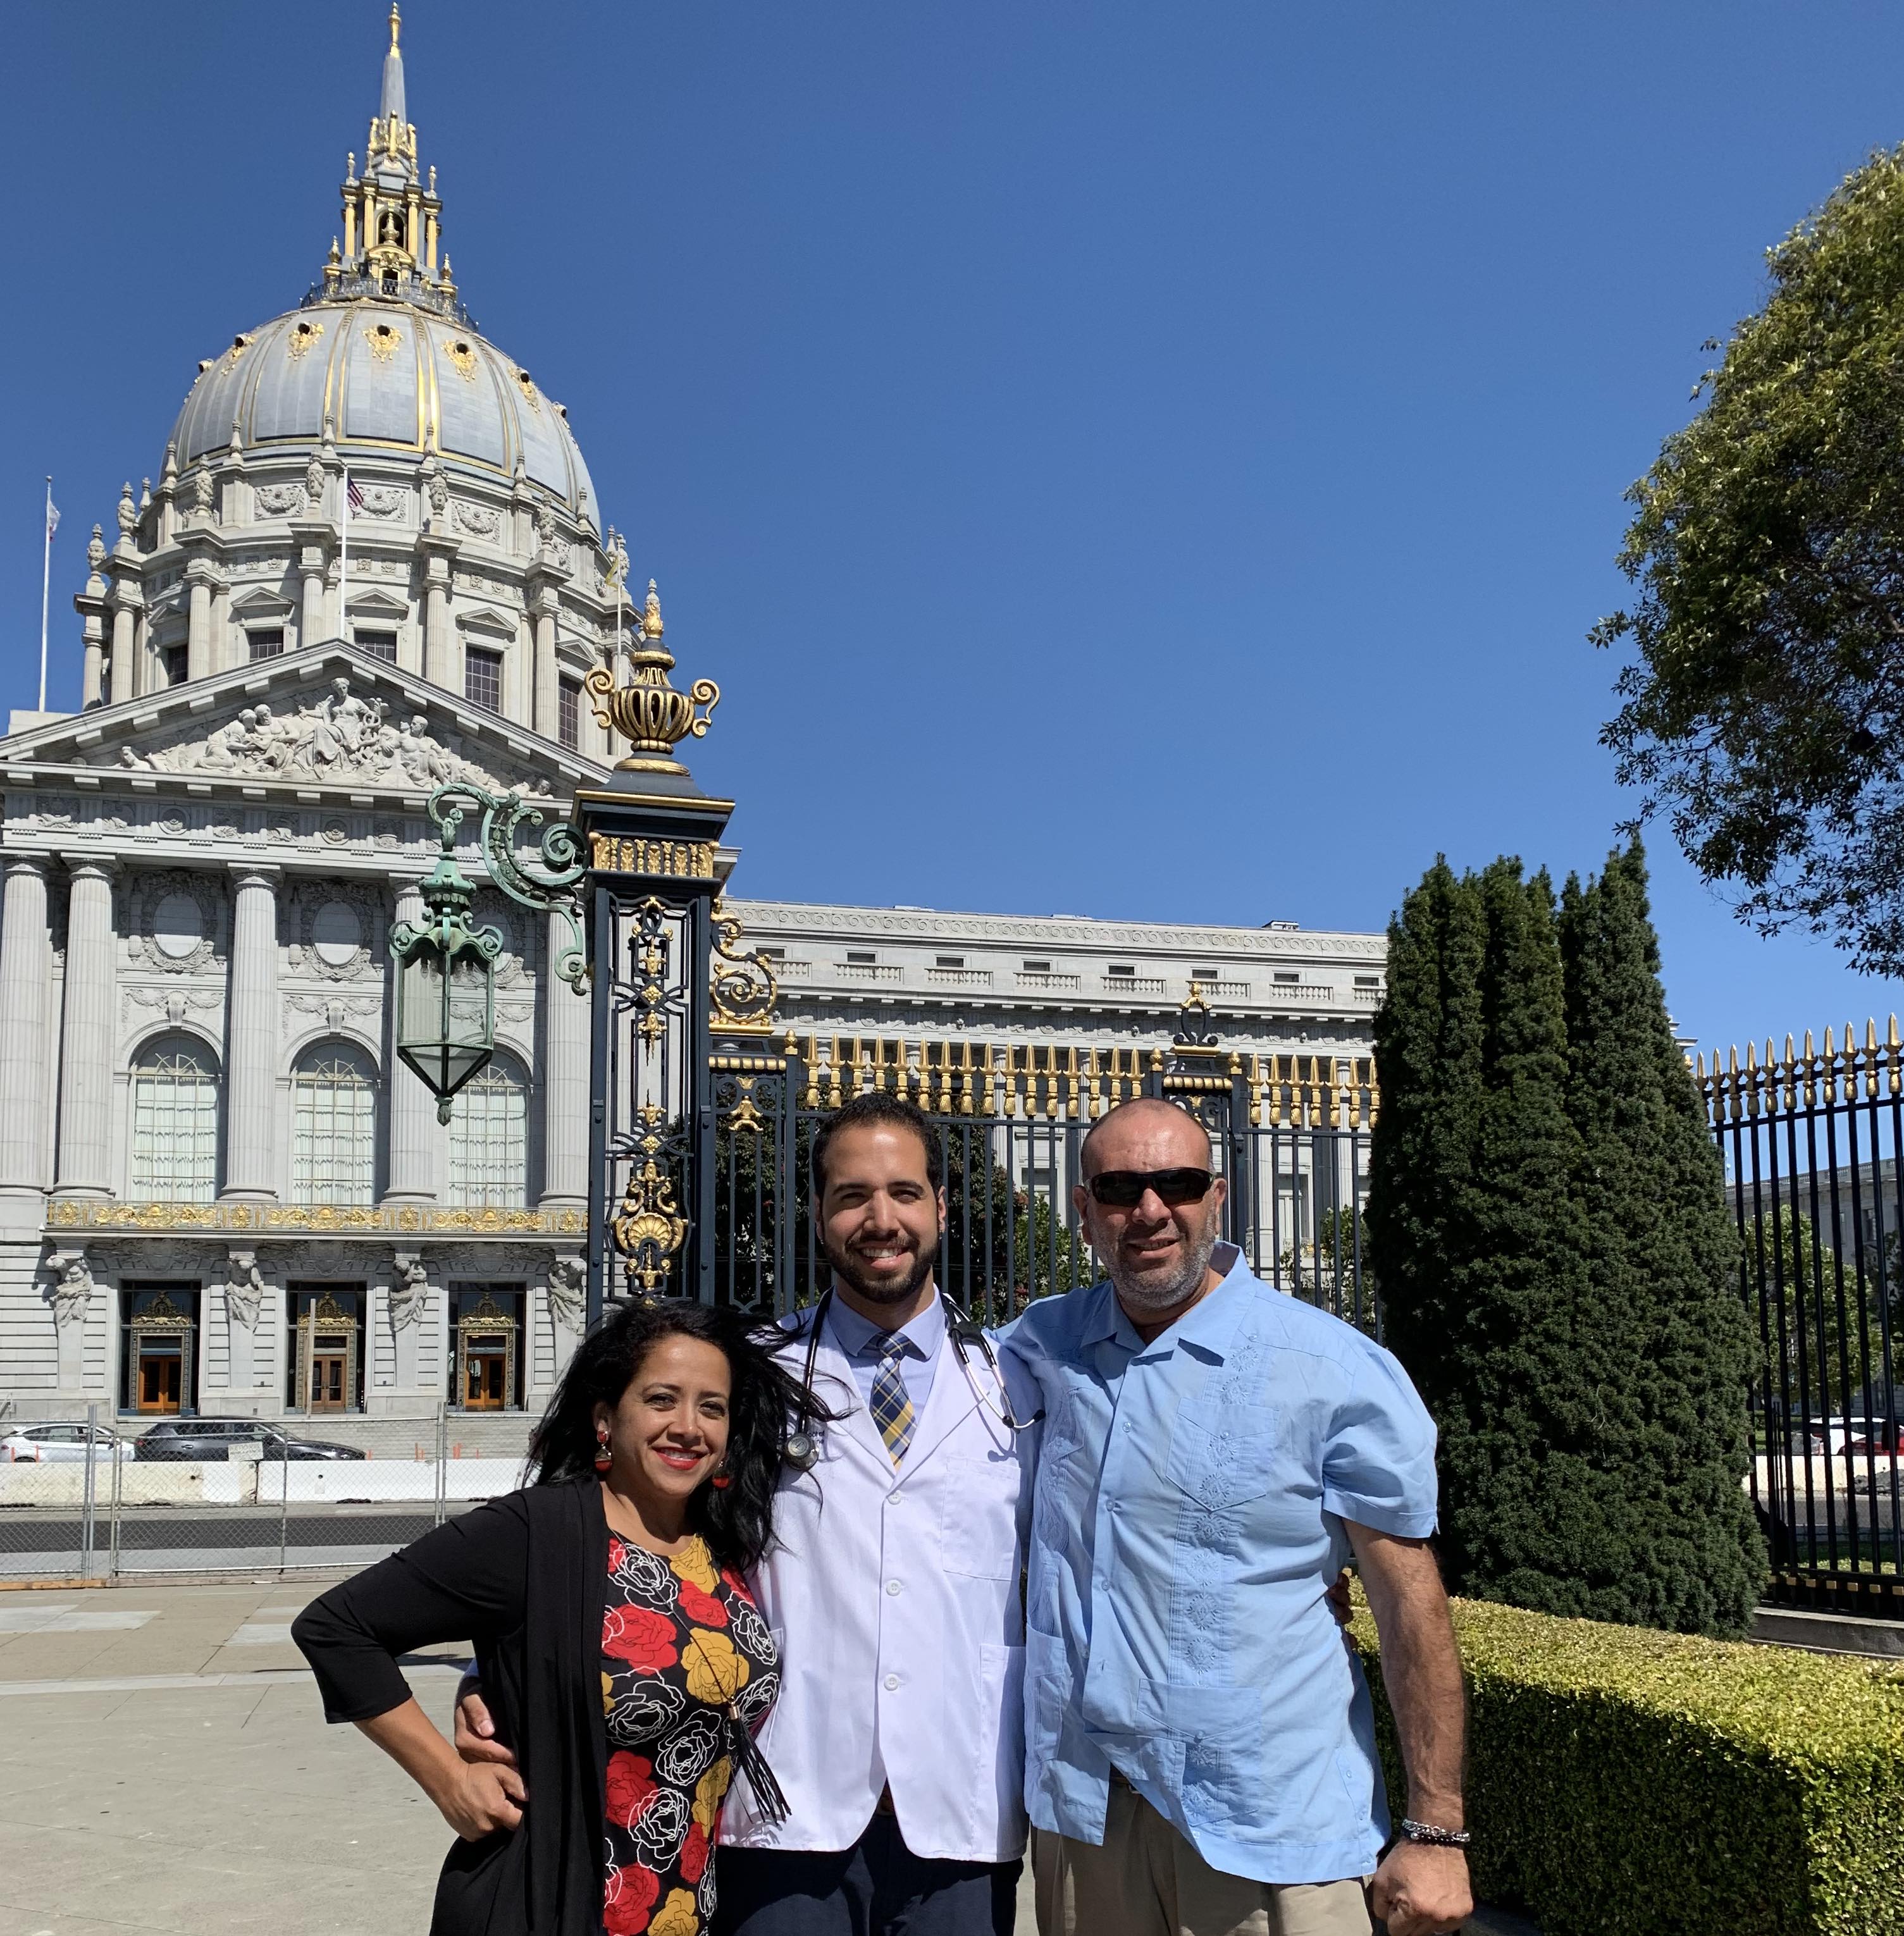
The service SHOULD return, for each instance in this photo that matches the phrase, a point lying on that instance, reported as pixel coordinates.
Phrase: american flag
(355, 496)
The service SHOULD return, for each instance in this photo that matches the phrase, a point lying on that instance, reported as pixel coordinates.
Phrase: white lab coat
(894, 1600)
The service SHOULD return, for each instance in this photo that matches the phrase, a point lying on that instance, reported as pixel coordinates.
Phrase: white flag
(53, 517)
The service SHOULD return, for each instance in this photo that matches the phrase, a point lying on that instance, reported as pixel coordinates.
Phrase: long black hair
(736, 1520)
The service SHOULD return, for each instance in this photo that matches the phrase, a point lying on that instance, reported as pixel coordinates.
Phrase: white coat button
(892, 1681)
(893, 1587)
(895, 1498)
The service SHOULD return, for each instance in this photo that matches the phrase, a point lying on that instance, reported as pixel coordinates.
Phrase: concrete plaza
(167, 1771)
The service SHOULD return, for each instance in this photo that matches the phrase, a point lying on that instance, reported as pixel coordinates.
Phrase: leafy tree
(1827, 1353)
(1764, 712)
(1325, 1273)
(1672, 1353)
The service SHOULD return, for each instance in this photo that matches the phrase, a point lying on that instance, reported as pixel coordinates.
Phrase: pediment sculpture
(339, 737)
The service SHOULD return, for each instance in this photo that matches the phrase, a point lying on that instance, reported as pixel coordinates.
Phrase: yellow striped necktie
(891, 1407)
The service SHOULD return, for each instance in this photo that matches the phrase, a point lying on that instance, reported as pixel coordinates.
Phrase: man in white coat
(892, 1590)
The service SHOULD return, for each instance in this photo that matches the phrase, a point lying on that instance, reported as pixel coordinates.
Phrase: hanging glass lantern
(446, 981)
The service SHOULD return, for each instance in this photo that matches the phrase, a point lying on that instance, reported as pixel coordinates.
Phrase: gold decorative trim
(383, 338)
(671, 860)
(326, 1219)
(463, 356)
(300, 337)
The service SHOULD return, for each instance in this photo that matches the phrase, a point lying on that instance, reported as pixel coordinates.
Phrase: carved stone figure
(568, 1279)
(201, 492)
(340, 737)
(128, 513)
(314, 479)
(73, 1294)
(244, 1288)
(409, 1290)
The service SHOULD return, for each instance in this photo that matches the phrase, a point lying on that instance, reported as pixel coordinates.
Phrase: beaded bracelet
(1440, 1838)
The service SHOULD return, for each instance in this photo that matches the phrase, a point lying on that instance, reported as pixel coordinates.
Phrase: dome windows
(462, 357)
(383, 338)
(302, 335)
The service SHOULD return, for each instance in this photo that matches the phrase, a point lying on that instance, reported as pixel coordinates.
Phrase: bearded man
(1200, 1756)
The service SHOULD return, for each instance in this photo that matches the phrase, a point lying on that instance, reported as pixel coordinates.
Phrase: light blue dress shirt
(857, 1338)
(1188, 1519)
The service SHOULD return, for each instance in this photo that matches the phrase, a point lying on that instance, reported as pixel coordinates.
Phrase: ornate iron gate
(1811, 1143)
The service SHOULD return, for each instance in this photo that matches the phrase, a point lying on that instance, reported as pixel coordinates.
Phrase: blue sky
(1123, 460)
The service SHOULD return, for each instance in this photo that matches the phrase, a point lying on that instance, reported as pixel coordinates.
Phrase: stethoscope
(803, 1452)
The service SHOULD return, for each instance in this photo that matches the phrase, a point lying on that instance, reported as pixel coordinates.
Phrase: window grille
(488, 1140)
(482, 678)
(333, 1116)
(175, 1123)
(380, 645)
(266, 644)
(178, 663)
(568, 725)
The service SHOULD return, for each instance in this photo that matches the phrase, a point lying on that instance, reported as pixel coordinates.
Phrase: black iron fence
(1290, 1133)
(1811, 1141)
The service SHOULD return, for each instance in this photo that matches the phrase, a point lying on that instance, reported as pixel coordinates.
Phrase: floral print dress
(682, 1642)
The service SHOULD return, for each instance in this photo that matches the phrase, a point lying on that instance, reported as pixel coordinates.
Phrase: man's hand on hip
(1422, 1889)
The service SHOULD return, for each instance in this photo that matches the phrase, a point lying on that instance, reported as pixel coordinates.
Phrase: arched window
(175, 1122)
(334, 1126)
(488, 1139)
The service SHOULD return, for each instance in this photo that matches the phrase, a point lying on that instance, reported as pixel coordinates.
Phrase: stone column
(251, 1036)
(25, 967)
(414, 1130)
(86, 1038)
(441, 660)
(548, 677)
(564, 1079)
(124, 621)
(197, 638)
(311, 618)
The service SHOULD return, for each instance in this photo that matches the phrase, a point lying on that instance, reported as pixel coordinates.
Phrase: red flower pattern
(630, 1786)
(660, 1843)
(643, 1638)
(629, 1899)
(704, 1609)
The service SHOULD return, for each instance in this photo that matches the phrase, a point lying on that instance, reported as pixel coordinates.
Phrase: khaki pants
(1147, 1880)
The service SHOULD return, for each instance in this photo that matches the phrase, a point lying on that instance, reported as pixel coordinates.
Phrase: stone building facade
(373, 562)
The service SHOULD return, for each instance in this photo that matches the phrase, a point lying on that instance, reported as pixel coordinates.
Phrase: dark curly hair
(877, 1106)
(736, 1520)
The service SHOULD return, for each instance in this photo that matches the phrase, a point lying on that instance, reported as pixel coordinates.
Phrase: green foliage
(1764, 711)
(1624, 1783)
(1662, 1280)
(1548, 1220)
(1333, 1273)
(1829, 1351)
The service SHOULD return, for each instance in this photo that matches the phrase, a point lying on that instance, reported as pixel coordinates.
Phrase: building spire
(390, 106)
(392, 217)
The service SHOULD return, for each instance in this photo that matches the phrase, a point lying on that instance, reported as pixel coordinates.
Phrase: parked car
(1883, 1436)
(210, 1440)
(55, 1445)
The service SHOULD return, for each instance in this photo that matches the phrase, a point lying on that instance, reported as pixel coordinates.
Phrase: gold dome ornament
(648, 712)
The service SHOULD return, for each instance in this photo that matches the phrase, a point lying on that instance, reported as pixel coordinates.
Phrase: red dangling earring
(721, 1481)
(603, 1457)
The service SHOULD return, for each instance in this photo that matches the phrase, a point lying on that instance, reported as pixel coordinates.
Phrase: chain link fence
(92, 1501)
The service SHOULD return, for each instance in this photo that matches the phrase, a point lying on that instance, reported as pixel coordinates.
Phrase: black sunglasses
(1123, 1189)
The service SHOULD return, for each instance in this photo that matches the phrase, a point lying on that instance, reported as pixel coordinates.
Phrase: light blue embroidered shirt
(1187, 1521)
(858, 1336)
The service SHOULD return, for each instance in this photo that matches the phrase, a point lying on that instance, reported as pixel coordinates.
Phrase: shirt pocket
(978, 1516)
(1222, 1455)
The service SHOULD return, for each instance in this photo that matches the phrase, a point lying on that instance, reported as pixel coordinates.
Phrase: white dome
(388, 375)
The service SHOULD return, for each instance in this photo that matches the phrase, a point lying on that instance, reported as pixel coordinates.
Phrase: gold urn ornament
(648, 712)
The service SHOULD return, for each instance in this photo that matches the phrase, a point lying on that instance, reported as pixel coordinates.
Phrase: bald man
(1201, 1748)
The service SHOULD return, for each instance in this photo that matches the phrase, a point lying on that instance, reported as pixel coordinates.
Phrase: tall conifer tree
(1548, 1226)
(1674, 1346)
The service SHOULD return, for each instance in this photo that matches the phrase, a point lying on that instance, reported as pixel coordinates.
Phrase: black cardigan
(524, 1578)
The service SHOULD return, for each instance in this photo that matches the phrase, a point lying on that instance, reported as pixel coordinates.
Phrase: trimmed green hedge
(1625, 1782)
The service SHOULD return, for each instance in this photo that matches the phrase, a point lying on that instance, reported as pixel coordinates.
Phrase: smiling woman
(624, 1662)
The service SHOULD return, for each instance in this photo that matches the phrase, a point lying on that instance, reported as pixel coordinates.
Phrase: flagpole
(46, 586)
(343, 558)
